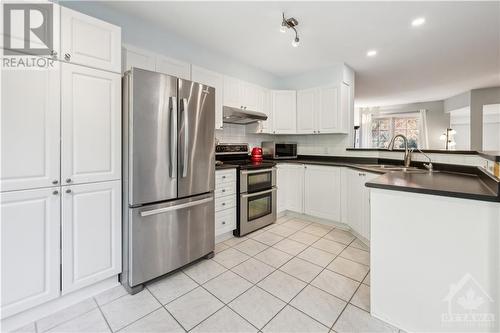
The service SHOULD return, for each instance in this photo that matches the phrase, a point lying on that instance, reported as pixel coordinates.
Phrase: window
(385, 127)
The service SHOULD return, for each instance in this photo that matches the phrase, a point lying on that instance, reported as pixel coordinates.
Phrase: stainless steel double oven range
(256, 185)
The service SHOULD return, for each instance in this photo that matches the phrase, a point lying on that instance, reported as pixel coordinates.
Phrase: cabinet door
(135, 57)
(328, 110)
(91, 125)
(252, 97)
(307, 111)
(30, 128)
(355, 200)
(30, 248)
(281, 184)
(366, 221)
(295, 188)
(91, 233)
(345, 113)
(284, 111)
(215, 80)
(232, 92)
(173, 67)
(322, 192)
(88, 41)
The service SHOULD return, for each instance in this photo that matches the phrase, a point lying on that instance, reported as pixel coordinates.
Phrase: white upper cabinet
(322, 192)
(135, 57)
(284, 111)
(307, 105)
(91, 234)
(30, 128)
(215, 80)
(232, 92)
(328, 109)
(346, 104)
(88, 41)
(244, 95)
(91, 125)
(173, 67)
(30, 248)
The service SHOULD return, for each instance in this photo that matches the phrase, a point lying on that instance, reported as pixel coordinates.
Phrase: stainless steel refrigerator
(168, 175)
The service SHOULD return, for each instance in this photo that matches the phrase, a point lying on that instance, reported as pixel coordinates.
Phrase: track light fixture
(290, 23)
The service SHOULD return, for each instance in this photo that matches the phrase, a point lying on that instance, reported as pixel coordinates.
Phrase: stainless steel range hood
(240, 116)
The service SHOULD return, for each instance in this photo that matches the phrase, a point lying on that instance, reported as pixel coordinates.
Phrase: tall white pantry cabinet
(60, 174)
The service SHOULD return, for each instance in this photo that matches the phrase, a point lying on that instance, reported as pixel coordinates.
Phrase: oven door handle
(257, 193)
(246, 172)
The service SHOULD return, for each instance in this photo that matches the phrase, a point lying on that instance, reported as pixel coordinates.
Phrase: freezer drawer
(164, 237)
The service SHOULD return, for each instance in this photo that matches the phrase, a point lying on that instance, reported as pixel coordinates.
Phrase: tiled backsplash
(334, 145)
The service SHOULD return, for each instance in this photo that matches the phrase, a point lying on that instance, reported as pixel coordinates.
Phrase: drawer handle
(223, 222)
(223, 190)
(223, 204)
(223, 177)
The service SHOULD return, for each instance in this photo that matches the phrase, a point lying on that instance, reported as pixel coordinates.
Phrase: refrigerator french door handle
(177, 207)
(173, 133)
(186, 137)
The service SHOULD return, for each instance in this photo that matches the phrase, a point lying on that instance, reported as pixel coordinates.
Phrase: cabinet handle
(223, 204)
(223, 177)
(67, 57)
(223, 222)
(53, 54)
(68, 180)
(223, 190)
(68, 190)
(55, 181)
(56, 192)
(319, 132)
(362, 174)
(245, 108)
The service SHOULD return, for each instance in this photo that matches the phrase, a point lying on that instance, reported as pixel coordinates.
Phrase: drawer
(225, 202)
(225, 220)
(224, 176)
(225, 189)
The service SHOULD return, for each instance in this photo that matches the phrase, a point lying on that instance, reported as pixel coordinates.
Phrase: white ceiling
(456, 50)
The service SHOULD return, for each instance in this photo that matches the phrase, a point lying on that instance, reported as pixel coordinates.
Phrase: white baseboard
(331, 223)
(225, 236)
(28, 316)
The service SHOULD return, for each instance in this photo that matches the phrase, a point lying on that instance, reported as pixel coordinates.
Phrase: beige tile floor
(292, 276)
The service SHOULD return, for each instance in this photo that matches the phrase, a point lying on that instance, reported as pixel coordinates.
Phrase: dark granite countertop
(490, 155)
(450, 180)
(449, 184)
(225, 166)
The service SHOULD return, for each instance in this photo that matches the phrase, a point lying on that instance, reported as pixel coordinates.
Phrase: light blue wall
(145, 35)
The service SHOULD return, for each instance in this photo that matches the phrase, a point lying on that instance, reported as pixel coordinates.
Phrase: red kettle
(256, 154)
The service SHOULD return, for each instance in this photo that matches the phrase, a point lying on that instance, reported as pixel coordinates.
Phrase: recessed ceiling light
(418, 21)
(371, 53)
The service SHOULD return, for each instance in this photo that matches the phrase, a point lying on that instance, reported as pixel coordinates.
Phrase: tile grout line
(161, 306)
(307, 284)
(102, 314)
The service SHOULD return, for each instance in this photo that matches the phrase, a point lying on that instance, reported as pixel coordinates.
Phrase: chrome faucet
(407, 157)
(429, 165)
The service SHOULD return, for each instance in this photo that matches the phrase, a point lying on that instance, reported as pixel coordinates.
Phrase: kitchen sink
(388, 167)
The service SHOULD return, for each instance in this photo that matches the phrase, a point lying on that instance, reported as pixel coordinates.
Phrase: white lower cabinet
(358, 201)
(91, 233)
(225, 201)
(290, 183)
(30, 248)
(322, 192)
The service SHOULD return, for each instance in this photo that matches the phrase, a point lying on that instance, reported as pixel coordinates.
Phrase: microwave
(279, 150)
